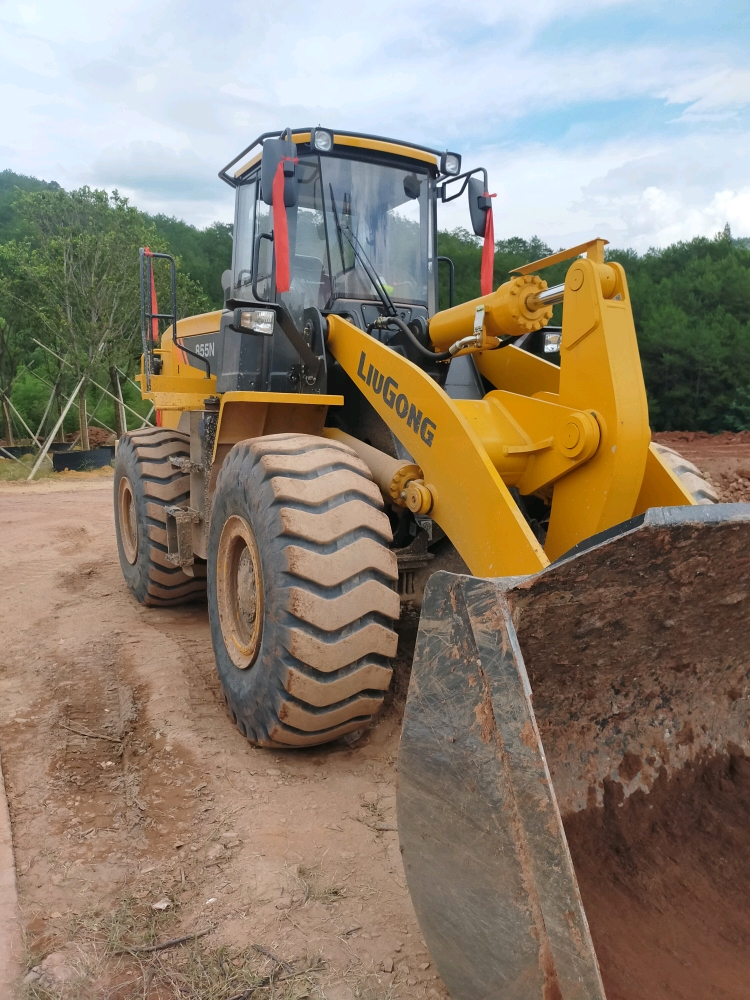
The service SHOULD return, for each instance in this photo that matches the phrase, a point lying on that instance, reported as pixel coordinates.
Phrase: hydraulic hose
(409, 334)
(425, 352)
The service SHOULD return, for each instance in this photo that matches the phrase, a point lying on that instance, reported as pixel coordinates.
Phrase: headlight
(256, 320)
(552, 340)
(450, 163)
(321, 140)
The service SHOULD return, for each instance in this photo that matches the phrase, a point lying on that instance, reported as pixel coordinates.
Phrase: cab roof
(233, 172)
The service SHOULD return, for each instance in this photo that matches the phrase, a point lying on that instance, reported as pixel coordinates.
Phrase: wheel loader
(332, 447)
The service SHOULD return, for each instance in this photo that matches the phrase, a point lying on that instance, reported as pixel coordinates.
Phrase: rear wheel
(145, 483)
(301, 592)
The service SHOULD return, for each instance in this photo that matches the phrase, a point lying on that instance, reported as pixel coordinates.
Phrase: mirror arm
(465, 178)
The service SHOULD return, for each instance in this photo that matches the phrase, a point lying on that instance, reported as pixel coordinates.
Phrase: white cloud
(713, 97)
(160, 180)
(245, 93)
(634, 194)
(27, 52)
(153, 96)
(146, 83)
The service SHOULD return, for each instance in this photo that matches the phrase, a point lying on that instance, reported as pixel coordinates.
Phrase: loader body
(332, 447)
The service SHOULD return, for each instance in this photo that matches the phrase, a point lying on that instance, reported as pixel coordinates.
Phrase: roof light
(255, 320)
(321, 140)
(450, 163)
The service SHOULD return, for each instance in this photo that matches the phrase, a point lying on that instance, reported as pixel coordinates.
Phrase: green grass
(17, 471)
(12, 471)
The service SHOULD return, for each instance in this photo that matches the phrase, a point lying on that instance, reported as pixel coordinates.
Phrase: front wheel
(300, 590)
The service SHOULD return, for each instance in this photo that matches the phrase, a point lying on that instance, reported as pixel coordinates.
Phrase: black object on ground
(81, 461)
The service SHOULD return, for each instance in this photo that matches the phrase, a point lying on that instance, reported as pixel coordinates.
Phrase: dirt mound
(98, 436)
(724, 459)
(665, 884)
(672, 438)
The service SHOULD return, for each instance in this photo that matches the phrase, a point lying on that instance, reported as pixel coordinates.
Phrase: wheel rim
(128, 520)
(239, 591)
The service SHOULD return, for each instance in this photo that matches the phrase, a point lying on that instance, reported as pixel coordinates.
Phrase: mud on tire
(300, 590)
(145, 483)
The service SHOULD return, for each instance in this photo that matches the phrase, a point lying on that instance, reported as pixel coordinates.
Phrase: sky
(621, 119)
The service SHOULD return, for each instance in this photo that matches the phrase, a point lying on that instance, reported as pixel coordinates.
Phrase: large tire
(145, 483)
(301, 591)
(690, 475)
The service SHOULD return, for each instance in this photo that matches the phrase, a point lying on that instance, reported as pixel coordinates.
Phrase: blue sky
(612, 118)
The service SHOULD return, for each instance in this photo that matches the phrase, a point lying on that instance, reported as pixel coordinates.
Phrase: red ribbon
(487, 272)
(280, 228)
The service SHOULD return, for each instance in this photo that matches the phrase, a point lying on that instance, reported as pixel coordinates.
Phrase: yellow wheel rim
(239, 591)
(127, 518)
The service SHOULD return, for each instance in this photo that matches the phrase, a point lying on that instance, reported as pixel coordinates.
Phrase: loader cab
(383, 200)
(361, 217)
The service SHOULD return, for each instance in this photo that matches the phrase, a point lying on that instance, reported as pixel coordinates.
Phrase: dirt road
(128, 786)
(141, 815)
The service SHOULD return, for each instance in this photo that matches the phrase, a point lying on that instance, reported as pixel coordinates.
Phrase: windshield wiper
(363, 259)
(392, 315)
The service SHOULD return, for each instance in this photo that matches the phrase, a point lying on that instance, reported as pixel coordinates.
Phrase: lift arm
(469, 499)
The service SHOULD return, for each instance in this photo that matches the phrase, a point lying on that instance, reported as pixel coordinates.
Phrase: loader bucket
(606, 697)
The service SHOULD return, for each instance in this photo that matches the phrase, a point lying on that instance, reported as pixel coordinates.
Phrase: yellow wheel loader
(331, 447)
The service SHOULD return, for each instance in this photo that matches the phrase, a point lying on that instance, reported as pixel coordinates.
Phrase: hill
(691, 304)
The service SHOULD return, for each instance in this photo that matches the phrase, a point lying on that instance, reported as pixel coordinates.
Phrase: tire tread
(145, 454)
(333, 583)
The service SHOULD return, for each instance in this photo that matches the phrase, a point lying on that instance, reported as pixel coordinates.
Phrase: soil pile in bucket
(665, 880)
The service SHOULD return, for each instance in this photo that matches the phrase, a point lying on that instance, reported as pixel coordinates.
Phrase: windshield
(351, 216)
(384, 212)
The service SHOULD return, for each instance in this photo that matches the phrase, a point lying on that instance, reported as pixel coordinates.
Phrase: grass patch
(132, 925)
(13, 471)
(103, 953)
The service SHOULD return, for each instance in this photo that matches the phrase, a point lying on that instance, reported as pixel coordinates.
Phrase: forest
(69, 304)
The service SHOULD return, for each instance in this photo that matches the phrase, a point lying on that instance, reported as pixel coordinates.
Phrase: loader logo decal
(398, 401)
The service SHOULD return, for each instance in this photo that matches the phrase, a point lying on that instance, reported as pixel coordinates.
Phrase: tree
(11, 227)
(15, 332)
(691, 303)
(69, 277)
(205, 253)
(78, 266)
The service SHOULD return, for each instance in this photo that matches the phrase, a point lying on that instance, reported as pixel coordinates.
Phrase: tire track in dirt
(127, 780)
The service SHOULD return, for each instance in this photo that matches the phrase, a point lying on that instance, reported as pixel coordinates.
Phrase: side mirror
(274, 151)
(412, 186)
(479, 205)
(226, 284)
